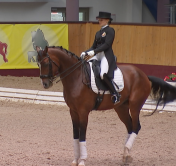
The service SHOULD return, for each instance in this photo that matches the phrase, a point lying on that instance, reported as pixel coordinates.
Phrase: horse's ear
(37, 48)
(46, 49)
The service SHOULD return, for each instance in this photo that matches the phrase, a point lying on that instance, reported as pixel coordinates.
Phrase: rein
(82, 61)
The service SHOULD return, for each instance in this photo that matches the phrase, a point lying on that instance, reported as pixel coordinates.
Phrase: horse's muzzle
(47, 84)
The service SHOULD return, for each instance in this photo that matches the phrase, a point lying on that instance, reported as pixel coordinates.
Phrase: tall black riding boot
(115, 95)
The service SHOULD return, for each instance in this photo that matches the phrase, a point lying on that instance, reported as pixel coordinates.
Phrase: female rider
(102, 49)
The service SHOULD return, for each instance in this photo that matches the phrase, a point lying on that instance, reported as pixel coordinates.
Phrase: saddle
(93, 80)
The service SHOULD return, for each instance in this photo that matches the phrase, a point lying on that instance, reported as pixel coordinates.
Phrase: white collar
(104, 27)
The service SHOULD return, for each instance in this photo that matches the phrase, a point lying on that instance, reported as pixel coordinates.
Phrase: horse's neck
(66, 61)
(70, 64)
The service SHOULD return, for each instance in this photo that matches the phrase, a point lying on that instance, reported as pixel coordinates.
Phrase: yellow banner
(17, 43)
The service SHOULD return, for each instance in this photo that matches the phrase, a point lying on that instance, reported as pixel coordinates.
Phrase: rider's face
(103, 21)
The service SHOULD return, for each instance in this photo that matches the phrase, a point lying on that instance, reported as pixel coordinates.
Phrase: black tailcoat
(103, 42)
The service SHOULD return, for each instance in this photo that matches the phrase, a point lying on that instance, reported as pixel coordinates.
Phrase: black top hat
(104, 15)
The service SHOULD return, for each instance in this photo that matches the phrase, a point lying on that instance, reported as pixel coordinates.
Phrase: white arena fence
(56, 98)
(32, 96)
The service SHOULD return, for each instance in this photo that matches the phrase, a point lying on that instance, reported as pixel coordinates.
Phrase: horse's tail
(162, 91)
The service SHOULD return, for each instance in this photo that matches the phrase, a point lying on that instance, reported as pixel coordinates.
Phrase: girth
(100, 84)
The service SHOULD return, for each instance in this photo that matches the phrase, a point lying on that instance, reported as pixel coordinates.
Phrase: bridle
(50, 74)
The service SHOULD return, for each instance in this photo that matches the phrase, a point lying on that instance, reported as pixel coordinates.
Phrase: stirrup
(115, 98)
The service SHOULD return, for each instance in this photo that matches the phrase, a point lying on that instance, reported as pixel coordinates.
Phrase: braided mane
(63, 49)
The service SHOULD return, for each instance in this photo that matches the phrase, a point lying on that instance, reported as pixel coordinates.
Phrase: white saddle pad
(118, 79)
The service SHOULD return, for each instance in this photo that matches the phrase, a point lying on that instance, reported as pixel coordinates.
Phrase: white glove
(91, 53)
(83, 54)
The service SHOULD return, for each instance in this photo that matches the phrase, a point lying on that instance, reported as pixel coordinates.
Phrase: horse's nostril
(44, 84)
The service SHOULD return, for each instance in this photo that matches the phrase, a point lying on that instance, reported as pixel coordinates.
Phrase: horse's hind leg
(135, 107)
(123, 113)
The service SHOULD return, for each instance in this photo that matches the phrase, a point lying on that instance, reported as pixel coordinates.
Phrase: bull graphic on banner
(38, 39)
(3, 51)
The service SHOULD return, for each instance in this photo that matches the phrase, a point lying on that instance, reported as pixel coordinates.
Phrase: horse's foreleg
(83, 153)
(76, 152)
(75, 122)
(82, 138)
(79, 135)
(80, 153)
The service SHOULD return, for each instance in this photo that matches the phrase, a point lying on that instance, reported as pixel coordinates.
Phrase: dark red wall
(156, 70)
(20, 72)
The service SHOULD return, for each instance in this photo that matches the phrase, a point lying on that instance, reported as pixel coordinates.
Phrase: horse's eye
(46, 64)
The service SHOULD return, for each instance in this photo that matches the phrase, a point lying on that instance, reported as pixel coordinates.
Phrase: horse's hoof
(126, 156)
(127, 160)
(82, 163)
(74, 163)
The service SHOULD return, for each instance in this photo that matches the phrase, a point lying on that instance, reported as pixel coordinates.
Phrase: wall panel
(138, 44)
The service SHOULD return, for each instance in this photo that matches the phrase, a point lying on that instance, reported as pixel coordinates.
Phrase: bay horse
(57, 61)
(2, 52)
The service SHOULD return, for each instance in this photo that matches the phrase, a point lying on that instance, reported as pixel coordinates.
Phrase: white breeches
(104, 63)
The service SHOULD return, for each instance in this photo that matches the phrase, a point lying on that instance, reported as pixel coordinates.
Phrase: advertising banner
(17, 48)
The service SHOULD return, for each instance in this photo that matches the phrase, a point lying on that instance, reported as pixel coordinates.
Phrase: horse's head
(48, 67)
